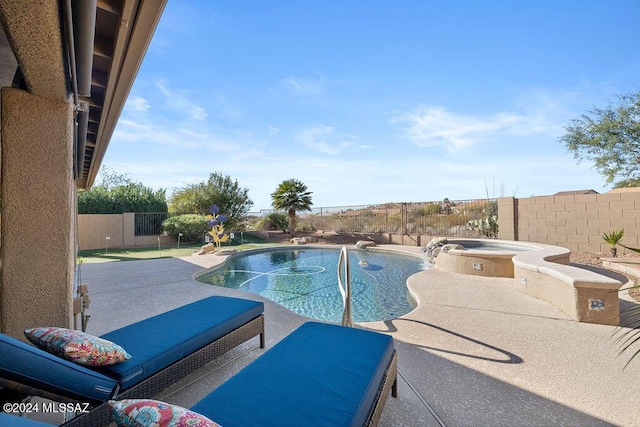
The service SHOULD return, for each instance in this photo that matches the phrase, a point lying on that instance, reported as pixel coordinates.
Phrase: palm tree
(291, 196)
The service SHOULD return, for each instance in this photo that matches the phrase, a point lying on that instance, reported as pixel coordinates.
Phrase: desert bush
(273, 221)
(192, 226)
(220, 190)
(305, 226)
(428, 210)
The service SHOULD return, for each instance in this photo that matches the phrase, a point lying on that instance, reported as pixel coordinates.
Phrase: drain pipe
(71, 49)
(80, 23)
(84, 30)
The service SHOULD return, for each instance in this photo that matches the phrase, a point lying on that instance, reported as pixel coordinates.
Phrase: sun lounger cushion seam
(159, 341)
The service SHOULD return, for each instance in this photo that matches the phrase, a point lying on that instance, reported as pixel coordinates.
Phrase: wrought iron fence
(149, 223)
(448, 218)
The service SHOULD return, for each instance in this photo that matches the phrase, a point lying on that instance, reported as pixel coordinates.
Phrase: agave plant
(613, 239)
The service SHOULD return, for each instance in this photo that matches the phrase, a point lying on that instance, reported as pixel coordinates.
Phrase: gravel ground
(593, 258)
(588, 258)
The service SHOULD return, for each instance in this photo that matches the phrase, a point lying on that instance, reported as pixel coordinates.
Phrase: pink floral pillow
(76, 346)
(153, 413)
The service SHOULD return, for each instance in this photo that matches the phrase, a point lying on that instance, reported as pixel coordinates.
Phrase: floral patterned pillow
(76, 346)
(153, 413)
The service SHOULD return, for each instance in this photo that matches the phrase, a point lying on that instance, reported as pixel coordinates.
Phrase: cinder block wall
(94, 229)
(576, 222)
(507, 224)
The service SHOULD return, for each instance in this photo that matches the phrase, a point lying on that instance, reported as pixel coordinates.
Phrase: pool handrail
(347, 316)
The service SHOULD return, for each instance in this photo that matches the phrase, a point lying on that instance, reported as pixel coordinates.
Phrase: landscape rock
(434, 247)
(206, 249)
(364, 244)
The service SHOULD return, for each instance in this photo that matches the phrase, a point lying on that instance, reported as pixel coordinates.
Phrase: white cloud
(303, 86)
(311, 138)
(435, 126)
(353, 170)
(546, 112)
(349, 180)
(273, 131)
(137, 131)
(323, 139)
(138, 103)
(181, 101)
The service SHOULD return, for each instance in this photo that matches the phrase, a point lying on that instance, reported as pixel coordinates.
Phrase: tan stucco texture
(38, 47)
(37, 212)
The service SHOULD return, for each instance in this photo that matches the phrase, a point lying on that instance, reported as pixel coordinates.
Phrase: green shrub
(131, 197)
(191, 226)
(429, 209)
(221, 190)
(305, 227)
(273, 221)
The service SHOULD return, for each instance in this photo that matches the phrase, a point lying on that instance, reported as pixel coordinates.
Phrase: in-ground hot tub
(481, 257)
(539, 270)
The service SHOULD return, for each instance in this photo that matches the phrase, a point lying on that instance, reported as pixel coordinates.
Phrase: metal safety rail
(347, 316)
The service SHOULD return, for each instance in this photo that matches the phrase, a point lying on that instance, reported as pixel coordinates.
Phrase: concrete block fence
(94, 229)
(576, 222)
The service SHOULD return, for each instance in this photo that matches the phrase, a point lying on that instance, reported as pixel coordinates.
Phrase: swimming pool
(305, 281)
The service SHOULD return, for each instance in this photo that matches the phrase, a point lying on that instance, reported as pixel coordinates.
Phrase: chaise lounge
(319, 375)
(164, 348)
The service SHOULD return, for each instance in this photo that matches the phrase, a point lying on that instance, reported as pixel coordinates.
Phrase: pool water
(490, 246)
(305, 281)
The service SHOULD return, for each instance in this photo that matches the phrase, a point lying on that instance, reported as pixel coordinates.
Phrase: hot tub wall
(490, 265)
(574, 298)
(547, 288)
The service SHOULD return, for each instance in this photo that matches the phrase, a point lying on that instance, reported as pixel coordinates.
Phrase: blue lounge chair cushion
(31, 366)
(7, 420)
(159, 341)
(319, 375)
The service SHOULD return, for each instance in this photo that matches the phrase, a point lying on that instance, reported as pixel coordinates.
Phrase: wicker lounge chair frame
(389, 384)
(100, 415)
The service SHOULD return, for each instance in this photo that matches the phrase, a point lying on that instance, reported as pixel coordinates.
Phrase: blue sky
(375, 101)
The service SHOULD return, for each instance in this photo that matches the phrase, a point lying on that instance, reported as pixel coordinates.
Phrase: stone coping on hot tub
(485, 262)
(542, 271)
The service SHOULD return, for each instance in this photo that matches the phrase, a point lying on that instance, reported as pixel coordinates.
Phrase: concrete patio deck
(475, 352)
